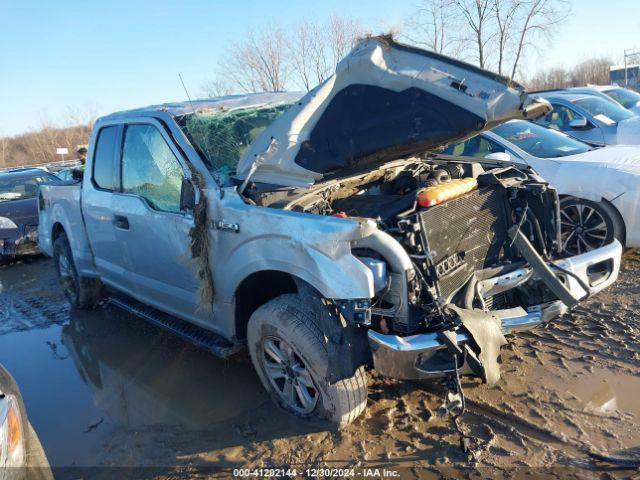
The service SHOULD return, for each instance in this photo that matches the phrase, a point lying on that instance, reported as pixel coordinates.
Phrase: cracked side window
(150, 169)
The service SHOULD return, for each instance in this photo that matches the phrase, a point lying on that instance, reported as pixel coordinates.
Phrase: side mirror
(187, 195)
(578, 123)
(499, 156)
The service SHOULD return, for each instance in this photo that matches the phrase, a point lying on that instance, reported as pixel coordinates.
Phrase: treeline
(40, 146)
(594, 71)
(497, 35)
(494, 34)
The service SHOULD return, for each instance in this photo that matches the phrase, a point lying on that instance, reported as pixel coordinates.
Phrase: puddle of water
(140, 375)
(106, 387)
(106, 370)
(605, 392)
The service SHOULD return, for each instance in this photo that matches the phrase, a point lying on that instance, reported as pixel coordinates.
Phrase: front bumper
(18, 242)
(426, 356)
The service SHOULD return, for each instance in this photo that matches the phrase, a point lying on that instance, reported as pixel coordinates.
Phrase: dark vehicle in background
(19, 210)
(21, 454)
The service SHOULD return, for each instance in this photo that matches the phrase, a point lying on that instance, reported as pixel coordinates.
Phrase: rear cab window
(105, 171)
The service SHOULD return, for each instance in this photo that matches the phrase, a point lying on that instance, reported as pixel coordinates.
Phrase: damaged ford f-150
(324, 231)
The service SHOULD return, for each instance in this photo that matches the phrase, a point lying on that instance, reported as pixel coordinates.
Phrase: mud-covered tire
(82, 292)
(287, 323)
(586, 225)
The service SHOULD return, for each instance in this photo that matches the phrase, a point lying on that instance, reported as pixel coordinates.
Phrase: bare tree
(321, 64)
(217, 87)
(274, 59)
(477, 15)
(538, 21)
(258, 63)
(505, 13)
(308, 54)
(4, 147)
(343, 33)
(594, 71)
(436, 26)
(317, 47)
(548, 79)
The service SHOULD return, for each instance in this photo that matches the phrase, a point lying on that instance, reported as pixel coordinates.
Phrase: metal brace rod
(541, 268)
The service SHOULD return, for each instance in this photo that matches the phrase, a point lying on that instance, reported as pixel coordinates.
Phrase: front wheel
(289, 353)
(586, 225)
(82, 292)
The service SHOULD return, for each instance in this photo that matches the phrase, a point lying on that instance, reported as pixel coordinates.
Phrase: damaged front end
(463, 250)
(19, 241)
(485, 264)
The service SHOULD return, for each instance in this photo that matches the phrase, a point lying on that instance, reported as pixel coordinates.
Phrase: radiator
(463, 235)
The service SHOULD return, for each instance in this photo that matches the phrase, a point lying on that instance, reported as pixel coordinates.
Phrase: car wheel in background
(289, 353)
(82, 292)
(586, 225)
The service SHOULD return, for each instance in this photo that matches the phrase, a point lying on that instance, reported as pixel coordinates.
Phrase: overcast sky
(116, 54)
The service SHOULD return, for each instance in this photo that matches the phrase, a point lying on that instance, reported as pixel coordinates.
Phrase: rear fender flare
(77, 237)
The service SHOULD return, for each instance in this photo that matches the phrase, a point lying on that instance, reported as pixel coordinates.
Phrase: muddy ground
(104, 388)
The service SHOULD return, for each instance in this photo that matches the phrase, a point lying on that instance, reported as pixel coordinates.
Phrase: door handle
(120, 222)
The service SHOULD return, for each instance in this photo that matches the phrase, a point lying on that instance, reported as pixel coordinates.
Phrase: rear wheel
(289, 352)
(587, 225)
(82, 292)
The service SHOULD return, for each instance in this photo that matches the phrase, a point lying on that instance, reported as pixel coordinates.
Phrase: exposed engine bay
(452, 218)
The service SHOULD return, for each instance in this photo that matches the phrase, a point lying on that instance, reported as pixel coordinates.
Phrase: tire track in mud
(21, 315)
(586, 351)
(30, 297)
(517, 426)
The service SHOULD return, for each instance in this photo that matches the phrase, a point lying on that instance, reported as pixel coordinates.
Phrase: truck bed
(60, 208)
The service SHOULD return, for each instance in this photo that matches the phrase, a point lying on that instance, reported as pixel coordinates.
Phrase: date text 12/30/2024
(315, 473)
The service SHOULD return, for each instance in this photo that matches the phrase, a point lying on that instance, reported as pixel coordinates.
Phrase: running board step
(197, 335)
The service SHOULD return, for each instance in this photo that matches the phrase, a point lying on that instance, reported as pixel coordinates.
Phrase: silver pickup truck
(324, 231)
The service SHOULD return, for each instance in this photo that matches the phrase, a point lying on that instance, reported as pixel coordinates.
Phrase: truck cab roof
(228, 102)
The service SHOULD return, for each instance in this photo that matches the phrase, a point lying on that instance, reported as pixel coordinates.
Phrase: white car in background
(599, 187)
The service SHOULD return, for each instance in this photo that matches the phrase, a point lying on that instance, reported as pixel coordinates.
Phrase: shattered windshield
(539, 141)
(222, 135)
(17, 187)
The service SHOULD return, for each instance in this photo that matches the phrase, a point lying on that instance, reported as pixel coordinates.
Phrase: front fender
(337, 277)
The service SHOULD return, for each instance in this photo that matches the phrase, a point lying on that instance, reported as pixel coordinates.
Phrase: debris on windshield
(222, 135)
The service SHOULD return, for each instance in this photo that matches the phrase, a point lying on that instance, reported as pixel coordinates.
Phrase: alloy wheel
(582, 228)
(288, 375)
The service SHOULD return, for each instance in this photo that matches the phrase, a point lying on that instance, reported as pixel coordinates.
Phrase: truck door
(97, 196)
(150, 224)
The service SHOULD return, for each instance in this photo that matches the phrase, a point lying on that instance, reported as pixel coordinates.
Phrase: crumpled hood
(628, 132)
(384, 101)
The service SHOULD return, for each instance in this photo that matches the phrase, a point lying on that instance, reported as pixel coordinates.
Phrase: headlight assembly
(7, 223)
(12, 451)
